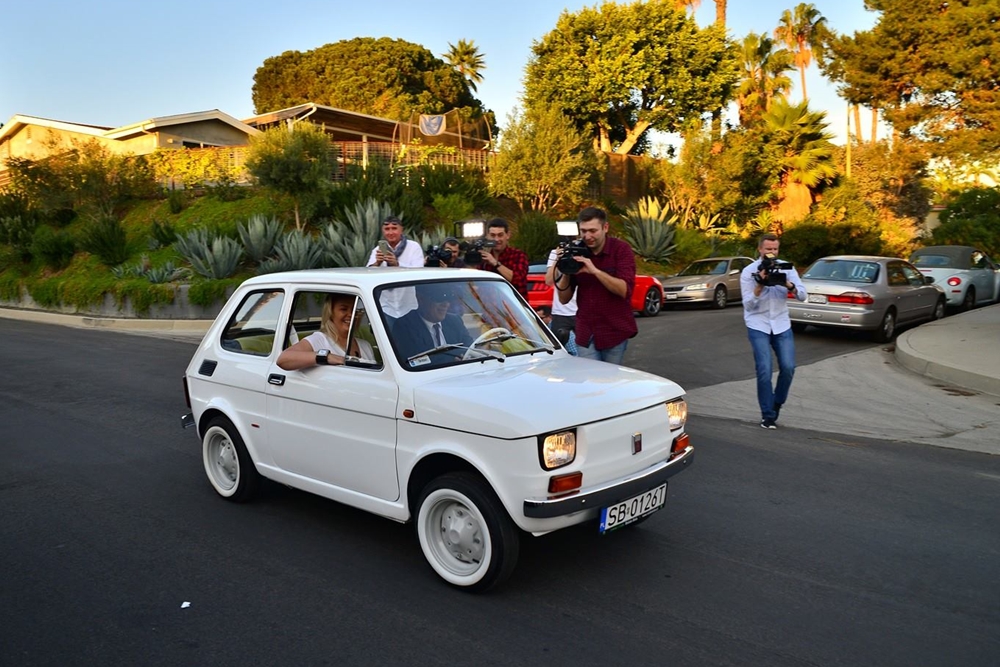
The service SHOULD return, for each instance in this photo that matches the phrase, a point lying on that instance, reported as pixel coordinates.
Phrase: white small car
(429, 395)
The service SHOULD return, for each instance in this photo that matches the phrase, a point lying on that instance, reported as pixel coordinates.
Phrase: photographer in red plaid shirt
(504, 259)
(604, 284)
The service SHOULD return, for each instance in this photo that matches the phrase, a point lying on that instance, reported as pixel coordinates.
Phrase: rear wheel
(939, 309)
(721, 298)
(969, 302)
(227, 462)
(886, 329)
(652, 303)
(465, 532)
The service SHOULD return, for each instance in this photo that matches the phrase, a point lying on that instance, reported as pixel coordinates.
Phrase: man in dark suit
(430, 325)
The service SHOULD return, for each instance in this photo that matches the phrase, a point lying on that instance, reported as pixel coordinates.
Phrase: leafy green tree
(806, 155)
(972, 218)
(762, 76)
(543, 160)
(297, 162)
(932, 68)
(389, 78)
(466, 59)
(620, 70)
(803, 30)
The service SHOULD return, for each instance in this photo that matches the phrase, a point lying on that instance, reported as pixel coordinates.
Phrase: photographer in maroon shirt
(604, 284)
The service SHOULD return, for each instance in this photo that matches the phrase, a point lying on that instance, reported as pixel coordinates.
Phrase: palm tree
(720, 12)
(763, 76)
(803, 31)
(806, 155)
(687, 4)
(467, 61)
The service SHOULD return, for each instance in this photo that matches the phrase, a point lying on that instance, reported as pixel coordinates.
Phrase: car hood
(544, 395)
(681, 281)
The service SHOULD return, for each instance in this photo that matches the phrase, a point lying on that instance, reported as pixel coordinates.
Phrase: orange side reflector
(680, 442)
(565, 483)
(408, 413)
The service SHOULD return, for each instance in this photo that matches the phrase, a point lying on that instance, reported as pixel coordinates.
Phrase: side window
(978, 260)
(895, 275)
(335, 321)
(913, 276)
(739, 264)
(251, 328)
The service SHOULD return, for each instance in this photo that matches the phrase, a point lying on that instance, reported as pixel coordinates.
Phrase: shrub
(161, 235)
(452, 207)
(536, 235)
(808, 241)
(400, 190)
(259, 236)
(55, 248)
(104, 237)
(18, 231)
(176, 201)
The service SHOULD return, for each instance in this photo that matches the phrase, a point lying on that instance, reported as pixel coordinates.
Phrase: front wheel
(886, 329)
(465, 532)
(721, 298)
(652, 303)
(227, 462)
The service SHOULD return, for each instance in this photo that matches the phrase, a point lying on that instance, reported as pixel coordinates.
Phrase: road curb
(912, 359)
(110, 323)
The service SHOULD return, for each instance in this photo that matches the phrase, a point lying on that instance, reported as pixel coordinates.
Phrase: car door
(334, 424)
(902, 293)
(981, 272)
(733, 277)
(925, 296)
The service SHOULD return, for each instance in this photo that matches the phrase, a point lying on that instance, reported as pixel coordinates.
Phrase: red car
(647, 297)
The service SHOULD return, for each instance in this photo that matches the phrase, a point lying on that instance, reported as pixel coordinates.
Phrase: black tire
(228, 465)
(652, 303)
(886, 329)
(939, 310)
(969, 302)
(799, 327)
(720, 299)
(464, 530)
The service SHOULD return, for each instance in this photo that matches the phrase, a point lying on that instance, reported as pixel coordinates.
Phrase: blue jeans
(612, 355)
(784, 348)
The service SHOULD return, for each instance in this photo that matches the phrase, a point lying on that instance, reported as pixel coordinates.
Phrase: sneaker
(768, 423)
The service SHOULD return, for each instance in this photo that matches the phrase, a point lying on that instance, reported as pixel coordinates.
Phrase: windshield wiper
(459, 346)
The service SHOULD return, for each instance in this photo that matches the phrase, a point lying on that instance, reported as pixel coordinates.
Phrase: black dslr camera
(435, 255)
(772, 270)
(570, 249)
(474, 250)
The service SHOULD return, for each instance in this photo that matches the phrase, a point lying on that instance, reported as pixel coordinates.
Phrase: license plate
(636, 507)
(817, 298)
(669, 295)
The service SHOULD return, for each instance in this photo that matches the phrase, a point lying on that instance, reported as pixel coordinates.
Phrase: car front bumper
(685, 296)
(611, 492)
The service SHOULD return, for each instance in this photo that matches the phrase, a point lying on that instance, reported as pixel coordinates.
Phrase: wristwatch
(321, 357)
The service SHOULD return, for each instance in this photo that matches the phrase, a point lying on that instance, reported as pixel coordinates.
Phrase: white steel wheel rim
(454, 537)
(221, 461)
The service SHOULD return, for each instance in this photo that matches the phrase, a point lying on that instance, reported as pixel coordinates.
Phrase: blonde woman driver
(326, 346)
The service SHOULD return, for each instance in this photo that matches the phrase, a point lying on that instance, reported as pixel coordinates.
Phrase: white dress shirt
(769, 311)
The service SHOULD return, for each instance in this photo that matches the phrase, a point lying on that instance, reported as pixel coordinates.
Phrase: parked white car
(966, 274)
(493, 432)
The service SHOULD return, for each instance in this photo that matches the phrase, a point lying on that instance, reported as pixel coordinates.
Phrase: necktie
(438, 338)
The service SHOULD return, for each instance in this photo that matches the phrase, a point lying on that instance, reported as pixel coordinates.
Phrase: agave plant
(295, 251)
(649, 229)
(259, 236)
(350, 242)
(167, 273)
(209, 255)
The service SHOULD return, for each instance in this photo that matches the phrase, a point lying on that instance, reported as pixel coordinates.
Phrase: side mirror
(928, 280)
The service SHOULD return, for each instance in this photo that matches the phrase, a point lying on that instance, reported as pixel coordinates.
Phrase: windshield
(448, 322)
(706, 268)
(843, 271)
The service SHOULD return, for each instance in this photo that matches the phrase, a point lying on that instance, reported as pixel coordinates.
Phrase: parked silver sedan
(967, 275)
(715, 280)
(868, 293)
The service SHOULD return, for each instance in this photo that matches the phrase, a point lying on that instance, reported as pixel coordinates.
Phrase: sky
(115, 63)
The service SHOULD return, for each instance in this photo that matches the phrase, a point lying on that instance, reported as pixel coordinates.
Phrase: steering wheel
(485, 336)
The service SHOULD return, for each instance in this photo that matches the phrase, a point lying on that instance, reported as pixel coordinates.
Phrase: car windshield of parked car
(843, 270)
(705, 268)
(463, 321)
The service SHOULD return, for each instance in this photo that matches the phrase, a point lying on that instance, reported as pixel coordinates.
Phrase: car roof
(368, 278)
(861, 258)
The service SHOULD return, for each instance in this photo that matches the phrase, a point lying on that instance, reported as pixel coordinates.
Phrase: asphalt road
(776, 548)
